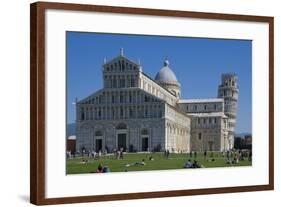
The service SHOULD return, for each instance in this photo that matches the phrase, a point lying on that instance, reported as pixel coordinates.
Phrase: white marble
(138, 113)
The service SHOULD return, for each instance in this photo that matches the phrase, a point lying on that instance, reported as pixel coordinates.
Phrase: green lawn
(175, 161)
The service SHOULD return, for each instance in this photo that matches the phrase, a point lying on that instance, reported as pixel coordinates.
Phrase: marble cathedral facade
(138, 113)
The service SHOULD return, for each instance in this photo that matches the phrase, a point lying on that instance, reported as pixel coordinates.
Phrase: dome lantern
(166, 63)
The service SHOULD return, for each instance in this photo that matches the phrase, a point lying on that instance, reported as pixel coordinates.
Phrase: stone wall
(210, 135)
(108, 130)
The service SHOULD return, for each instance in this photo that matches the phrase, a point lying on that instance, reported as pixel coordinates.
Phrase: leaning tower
(228, 90)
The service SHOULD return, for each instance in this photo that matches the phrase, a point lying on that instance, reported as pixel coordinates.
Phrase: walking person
(205, 154)
(122, 153)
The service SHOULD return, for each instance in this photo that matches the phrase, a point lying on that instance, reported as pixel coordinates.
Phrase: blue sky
(197, 62)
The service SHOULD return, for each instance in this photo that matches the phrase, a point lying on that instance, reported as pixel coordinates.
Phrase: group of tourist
(192, 164)
(232, 157)
(235, 156)
(119, 153)
(84, 153)
(95, 155)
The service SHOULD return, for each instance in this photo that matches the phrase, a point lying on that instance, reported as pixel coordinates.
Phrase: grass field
(175, 161)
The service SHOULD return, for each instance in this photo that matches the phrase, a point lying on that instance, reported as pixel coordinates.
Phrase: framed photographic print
(130, 103)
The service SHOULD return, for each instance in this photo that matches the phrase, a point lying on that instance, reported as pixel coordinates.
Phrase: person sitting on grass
(195, 164)
(211, 160)
(84, 161)
(188, 164)
(137, 163)
(105, 169)
(99, 169)
(150, 158)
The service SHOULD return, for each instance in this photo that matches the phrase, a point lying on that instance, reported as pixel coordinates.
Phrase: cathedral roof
(209, 100)
(210, 114)
(166, 74)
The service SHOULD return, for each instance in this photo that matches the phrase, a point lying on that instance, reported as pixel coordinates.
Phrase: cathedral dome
(166, 74)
